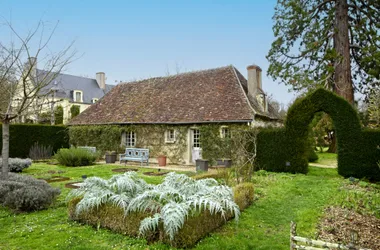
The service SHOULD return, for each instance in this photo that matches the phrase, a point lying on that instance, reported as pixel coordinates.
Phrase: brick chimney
(254, 79)
(101, 79)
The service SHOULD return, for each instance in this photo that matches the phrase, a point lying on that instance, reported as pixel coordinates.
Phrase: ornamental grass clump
(170, 203)
(25, 193)
(73, 157)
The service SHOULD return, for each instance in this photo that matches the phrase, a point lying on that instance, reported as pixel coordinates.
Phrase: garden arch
(347, 129)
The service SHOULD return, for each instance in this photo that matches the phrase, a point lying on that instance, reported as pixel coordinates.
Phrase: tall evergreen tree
(330, 43)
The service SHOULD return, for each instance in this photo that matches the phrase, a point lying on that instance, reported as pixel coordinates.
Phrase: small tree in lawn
(20, 79)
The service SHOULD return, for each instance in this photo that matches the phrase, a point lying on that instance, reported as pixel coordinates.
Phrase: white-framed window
(170, 136)
(94, 100)
(225, 132)
(196, 138)
(78, 96)
(130, 139)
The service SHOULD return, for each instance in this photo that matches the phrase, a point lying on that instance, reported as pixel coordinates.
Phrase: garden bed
(73, 184)
(155, 173)
(55, 179)
(338, 222)
(174, 212)
(123, 170)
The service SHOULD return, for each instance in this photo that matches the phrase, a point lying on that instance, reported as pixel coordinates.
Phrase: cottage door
(196, 151)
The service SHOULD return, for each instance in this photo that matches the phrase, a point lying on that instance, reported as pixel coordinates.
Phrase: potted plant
(161, 160)
(201, 165)
(110, 157)
(224, 162)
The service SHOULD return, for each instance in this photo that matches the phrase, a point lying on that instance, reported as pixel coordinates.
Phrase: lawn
(327, 158)
(280, 198)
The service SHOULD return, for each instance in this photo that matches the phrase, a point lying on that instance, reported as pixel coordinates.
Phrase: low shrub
(243, 194)
(16, 165)
(25, 193)
(73, 157)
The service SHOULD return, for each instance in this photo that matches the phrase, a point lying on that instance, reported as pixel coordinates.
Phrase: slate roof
(214, 95)
(67, 83)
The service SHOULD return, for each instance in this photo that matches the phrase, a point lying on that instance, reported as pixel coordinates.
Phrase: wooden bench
(135, 154)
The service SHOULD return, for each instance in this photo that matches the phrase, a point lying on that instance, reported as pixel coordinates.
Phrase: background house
(64, 90)
(166, 114)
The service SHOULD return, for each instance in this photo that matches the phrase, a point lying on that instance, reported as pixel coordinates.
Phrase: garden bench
(135, 154)
(91, 149)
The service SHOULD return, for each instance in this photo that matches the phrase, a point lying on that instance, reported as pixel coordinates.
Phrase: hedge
(271, 151)
(23, 136)
(286, 150)
(369, 154)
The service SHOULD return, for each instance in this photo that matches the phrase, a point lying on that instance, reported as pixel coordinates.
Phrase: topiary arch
(345, 120)
(357, 150)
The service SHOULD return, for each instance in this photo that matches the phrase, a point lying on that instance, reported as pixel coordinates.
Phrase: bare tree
(22, 82)
(244, 142)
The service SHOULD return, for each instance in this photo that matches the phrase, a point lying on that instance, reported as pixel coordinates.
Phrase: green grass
(280, 198)
(327, 158)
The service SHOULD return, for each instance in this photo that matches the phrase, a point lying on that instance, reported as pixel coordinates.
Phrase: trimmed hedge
(287, 150)
(23, 136)
(244, 195)
(271, 151)
(369, 154)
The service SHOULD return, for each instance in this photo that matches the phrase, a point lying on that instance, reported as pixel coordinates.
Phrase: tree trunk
(343, 79)
(332, 146)
(5, 150)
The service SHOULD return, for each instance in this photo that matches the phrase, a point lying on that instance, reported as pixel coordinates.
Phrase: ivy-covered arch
(345, 120)
(286, 149)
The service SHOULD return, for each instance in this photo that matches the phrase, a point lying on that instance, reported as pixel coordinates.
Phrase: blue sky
(139, 39)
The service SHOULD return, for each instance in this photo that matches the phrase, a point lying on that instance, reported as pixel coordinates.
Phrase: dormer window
(78, 96)
(94, 100)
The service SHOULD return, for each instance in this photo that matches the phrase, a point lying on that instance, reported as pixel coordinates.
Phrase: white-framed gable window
(130, 139)
(78, 96)
(170, 136)
(94, 100)
(225, 132)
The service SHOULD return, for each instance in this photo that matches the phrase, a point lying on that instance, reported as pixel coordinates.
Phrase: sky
(131, 40)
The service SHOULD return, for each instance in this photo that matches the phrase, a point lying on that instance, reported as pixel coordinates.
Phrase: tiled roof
(214, 95)
(65, 84)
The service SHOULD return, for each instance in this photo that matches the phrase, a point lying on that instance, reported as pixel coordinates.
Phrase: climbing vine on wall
(109, 138)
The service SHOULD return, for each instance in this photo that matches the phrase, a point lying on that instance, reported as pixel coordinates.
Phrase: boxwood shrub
(25, 193)
(24, 136)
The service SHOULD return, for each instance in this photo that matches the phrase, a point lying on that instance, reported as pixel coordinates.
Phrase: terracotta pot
(161, 160)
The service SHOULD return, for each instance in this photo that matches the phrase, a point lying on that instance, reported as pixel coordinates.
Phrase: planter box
(201, 165)
(161, 160)
(226, 162)
(111, 158)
